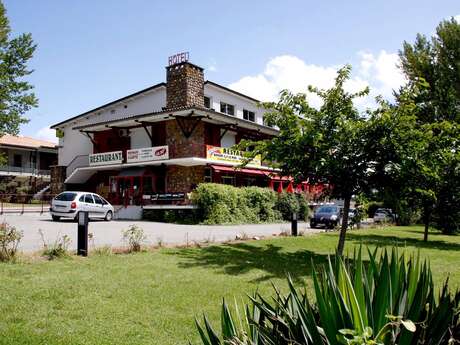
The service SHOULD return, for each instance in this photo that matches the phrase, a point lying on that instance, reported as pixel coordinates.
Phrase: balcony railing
(24, 170)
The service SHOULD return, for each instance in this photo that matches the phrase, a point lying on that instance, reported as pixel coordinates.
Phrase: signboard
(106, 158)
(224, 154)
(178, 58)
(147, 154)
(167, 196)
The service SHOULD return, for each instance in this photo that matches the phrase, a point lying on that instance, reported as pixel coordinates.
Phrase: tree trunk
(426, 222)
(344, 227)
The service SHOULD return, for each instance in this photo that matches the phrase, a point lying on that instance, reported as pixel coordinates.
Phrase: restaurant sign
(106, 158)
(224, 154)
(147, 154)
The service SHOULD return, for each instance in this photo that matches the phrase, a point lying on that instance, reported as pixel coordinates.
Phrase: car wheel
(55, 218)
(109, 216)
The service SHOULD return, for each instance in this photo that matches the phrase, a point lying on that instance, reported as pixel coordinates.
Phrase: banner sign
(106, 158)
(224, 154)
(147, 154)
(164, 196)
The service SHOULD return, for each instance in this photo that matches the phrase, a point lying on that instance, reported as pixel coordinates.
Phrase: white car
(68, 204)
(383, 215)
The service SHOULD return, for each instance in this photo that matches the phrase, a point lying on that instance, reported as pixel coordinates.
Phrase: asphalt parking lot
(109, 233)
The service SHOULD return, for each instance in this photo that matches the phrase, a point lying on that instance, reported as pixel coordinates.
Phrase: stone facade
(179, 145)
(58, 176)
(184, 179)
(184, 86)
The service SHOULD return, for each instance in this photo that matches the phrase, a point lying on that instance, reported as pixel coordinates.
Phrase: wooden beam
(87, 133)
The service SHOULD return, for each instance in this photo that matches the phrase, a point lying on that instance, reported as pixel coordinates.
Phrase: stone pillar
(184, 86)
(58, 176)
(183, 179)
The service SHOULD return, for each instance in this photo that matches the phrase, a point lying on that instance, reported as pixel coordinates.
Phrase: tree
(16, 96)
(435, 65)
(322, 146)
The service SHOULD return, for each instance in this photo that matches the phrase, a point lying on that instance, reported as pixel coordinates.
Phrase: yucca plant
(390, 299)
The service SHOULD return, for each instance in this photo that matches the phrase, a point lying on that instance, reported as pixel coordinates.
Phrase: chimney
(184, 85)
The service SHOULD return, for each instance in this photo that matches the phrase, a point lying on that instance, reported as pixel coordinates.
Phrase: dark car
(327, 215)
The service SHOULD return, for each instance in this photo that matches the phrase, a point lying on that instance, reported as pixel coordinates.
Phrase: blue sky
(92, 52)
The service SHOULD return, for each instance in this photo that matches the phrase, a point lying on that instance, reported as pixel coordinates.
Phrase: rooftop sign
(178, 58)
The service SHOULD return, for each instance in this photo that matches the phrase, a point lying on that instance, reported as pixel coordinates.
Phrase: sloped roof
(207, 82)
(110, 103)
(29, 142)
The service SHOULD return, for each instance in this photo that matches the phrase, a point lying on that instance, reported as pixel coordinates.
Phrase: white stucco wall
(75, 143)
(228, 140)
(218, 95)
(139, 138)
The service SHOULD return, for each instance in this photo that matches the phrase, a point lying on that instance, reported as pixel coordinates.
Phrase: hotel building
(156, 145)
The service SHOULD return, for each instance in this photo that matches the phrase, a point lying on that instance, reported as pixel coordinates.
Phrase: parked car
(327, 215)
(384, 215)
(69, 204)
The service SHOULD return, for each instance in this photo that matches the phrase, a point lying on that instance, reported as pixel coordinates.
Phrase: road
(109, 233)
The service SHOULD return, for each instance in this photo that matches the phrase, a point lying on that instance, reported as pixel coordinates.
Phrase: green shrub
(288, 203)
(223, 204)
(57, 249)
(135, 237)
(185, 216)
(392, 300)
(9, 241)
(372, 206)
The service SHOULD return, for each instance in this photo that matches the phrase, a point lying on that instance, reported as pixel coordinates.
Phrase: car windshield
(67, 196)
(327, 209)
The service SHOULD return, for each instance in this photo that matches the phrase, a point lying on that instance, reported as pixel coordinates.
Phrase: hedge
(224, 204)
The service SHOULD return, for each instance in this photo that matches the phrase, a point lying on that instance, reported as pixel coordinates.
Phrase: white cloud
(379, 72)
(212, 67)
(46, 133)
(457, 18)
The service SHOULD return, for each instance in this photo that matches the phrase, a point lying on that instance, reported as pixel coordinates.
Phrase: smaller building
(26, 163)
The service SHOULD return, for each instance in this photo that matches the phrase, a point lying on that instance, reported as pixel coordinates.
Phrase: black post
(82, 237)
(294, 224)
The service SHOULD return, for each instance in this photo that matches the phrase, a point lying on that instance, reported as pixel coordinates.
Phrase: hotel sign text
(105, 158)
(178, 58)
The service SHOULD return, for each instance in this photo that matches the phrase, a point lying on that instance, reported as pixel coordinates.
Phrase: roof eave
(151, 88)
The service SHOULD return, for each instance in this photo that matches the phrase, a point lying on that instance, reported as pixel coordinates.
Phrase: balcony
(190, 154)
(23, 171)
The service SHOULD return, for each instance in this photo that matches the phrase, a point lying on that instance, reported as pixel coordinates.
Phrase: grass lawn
(152, 297)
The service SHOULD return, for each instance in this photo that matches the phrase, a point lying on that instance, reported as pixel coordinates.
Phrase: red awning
(276, 177)
(223, 168)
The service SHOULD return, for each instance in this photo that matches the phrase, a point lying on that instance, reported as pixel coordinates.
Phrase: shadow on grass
(386, 240)
(241, 258)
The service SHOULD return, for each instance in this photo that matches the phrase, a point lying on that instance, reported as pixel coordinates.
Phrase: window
(228, 180)
(207, 175)
(227, 108)
(98, 200)
(250, 181)
(17, 161)
(66, 196)
(89, 199)
(207, 102)
(249, 115)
